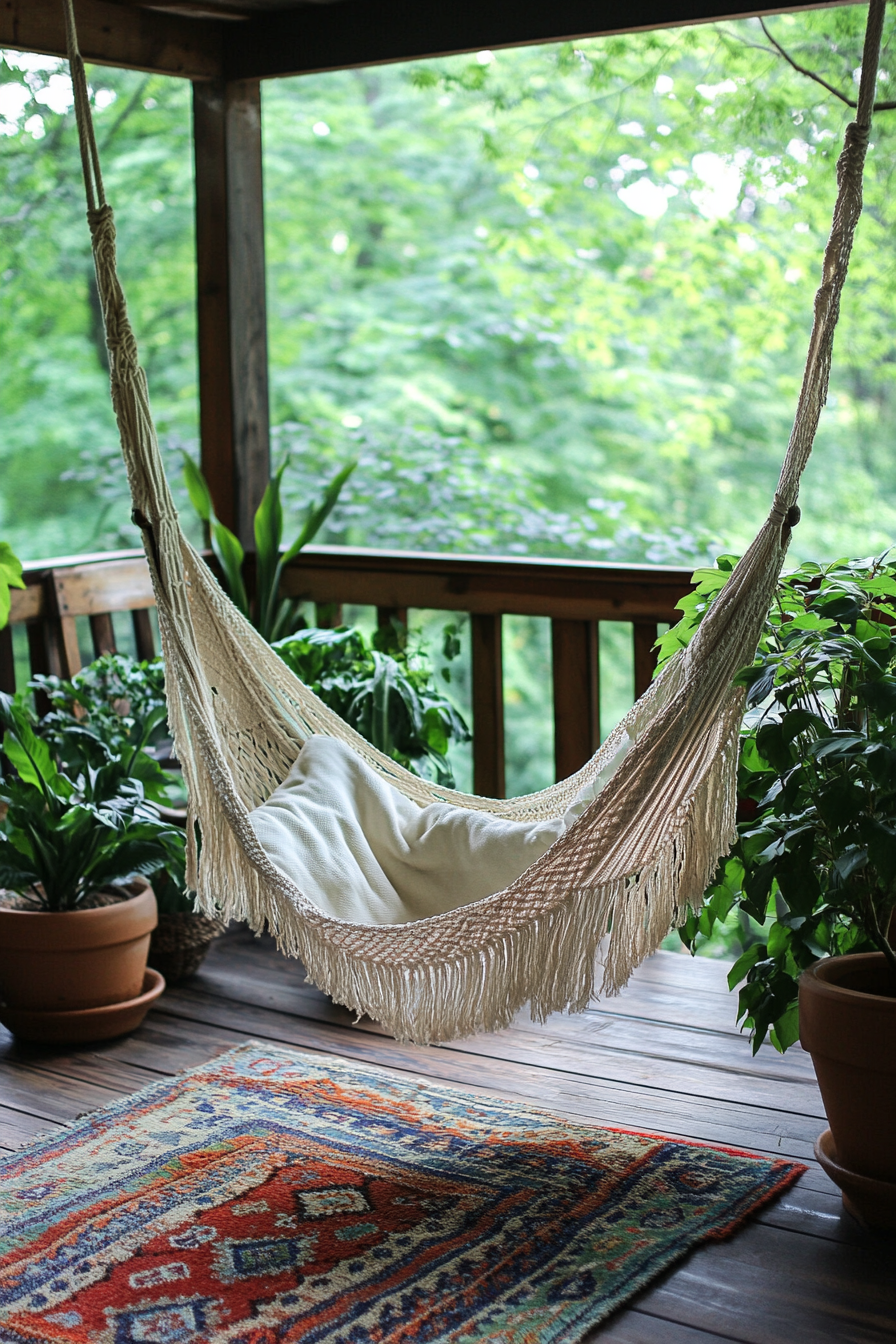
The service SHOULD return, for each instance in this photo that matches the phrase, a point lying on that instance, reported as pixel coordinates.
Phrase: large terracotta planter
(52, 964)
(848, 1026)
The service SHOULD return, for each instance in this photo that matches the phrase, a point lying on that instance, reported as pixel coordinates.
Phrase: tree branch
(810, 74)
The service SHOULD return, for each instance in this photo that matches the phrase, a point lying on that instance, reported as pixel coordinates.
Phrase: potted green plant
(814, 862)
(117, 704)
(273, 616)
(385, 689)
(77, 837)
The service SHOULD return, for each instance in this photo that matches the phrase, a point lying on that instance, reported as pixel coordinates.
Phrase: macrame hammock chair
(659, 794)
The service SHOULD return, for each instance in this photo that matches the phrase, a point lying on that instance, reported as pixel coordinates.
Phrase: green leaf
(839, 744)
(852, 860)
(745, 963)
(10, 577)
(880, 840)
(268, 536)
(318, 516)
(786, 1030)
(879, 696)
(230, 555)
(31, 757)
(197, 489)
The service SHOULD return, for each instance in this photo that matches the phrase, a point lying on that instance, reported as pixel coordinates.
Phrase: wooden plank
(631, 1326)
(52, 1096)
(247, 303)
(301, 38)
(667, 1060)
(26, 604)
(593, 1100)
(574, 654)
(213, 298)
(488, 706)
(18, 1128)
(810, 1290)
(36, 569)
(562, 589)
(144, 639)
(69, 646)
(644, 633)
(96, 589)
(108, 33)
(102, 632)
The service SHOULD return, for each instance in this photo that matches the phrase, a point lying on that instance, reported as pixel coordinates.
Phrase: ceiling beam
(314, 37)
(112, 34)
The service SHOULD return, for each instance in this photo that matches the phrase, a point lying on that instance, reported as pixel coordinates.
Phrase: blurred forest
(556, 299)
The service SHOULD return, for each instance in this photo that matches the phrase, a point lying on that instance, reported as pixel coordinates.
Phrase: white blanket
(363, 852)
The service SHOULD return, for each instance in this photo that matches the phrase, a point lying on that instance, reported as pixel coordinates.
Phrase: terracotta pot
(76, 959)
(848, 1026)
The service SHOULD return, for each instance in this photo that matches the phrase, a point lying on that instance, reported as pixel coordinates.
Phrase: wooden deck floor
(664, 1057)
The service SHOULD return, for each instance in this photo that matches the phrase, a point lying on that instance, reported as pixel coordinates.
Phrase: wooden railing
(574, 595)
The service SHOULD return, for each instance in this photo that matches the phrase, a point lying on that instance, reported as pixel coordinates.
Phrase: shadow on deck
(665, 1057)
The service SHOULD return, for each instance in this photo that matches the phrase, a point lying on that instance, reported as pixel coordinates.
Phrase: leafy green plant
(119, 704)
(114, 705)
(384, 690)
(814, 863)
(68, 828)
(272, 615)
(10, 577)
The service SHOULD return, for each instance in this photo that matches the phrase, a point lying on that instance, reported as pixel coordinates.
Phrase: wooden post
(488, 706)
(574, 648)
(232, 316)
(645, 655)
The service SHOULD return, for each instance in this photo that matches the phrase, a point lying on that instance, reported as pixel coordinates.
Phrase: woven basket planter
(180, 942)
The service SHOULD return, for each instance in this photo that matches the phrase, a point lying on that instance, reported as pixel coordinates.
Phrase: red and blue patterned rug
(273, 1195)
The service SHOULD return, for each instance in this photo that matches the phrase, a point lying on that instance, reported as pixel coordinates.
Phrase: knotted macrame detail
(636, 860)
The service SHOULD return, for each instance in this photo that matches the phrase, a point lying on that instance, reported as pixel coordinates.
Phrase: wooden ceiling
(250, 39)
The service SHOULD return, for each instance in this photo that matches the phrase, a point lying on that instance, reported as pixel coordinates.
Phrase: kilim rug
(272, 1195)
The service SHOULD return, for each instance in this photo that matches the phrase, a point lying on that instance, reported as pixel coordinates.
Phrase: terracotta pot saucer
(871, 1202)
(85, 1024)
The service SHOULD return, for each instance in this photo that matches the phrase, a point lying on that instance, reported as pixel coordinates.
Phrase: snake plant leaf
(268, 536)
(318, 516)
(197, 489)
(230, 555)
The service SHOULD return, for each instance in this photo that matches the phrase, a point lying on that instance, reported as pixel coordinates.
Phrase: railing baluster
(102, 632)
(386, 615)
(7, 662)
(488, 706)
(327, 615)
(574, 650)
(144, 638)
(645, 633)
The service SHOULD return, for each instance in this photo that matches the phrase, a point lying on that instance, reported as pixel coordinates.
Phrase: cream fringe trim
(548, 961)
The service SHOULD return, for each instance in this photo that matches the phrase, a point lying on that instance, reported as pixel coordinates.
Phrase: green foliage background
(554, 299)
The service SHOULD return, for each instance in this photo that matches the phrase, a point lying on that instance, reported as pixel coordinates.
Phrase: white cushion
(361, 851)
